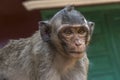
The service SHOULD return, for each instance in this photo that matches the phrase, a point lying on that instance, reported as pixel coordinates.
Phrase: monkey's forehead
(73, 26)
(67, 16)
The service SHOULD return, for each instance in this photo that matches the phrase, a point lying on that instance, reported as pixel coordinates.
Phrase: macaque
(57, 51)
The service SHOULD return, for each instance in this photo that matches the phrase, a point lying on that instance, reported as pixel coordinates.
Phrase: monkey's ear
(44, 30)
(91, 26)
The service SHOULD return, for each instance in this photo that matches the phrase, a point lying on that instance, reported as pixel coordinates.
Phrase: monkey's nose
(78, 43)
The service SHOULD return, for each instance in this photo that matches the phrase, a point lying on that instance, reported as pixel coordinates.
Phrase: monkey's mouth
(75, 52)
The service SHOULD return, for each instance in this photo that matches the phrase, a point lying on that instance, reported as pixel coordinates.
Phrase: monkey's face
(68, 31)
(73, 39)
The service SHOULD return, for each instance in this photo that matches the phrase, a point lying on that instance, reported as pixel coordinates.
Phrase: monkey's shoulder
(14, 45)
(19, 45)
(15, 50)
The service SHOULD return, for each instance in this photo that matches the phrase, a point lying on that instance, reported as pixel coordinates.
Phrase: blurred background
(15, 21)
(104, 50)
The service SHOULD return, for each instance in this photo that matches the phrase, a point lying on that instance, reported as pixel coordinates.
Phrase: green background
(104, 49)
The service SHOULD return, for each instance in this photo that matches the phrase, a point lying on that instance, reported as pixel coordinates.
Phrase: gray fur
(32, 59)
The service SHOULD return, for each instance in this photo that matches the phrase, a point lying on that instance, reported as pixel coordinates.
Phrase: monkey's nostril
(77, 44)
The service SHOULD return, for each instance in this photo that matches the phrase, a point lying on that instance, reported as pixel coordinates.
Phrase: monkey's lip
(75, 52)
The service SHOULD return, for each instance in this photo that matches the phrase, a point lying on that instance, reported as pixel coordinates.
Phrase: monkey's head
(68, 31)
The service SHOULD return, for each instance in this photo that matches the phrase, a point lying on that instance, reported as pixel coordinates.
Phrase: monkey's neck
(64, 64)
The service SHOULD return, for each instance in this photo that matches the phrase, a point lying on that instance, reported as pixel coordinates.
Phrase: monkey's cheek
(82, 49)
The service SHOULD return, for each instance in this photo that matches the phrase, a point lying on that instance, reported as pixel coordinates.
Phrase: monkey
(57, 51)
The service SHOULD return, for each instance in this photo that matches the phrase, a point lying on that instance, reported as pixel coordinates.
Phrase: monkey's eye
(82, 31)
(68, 31)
